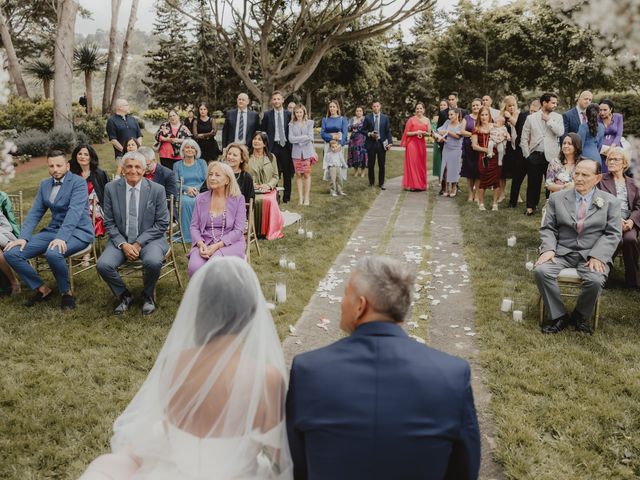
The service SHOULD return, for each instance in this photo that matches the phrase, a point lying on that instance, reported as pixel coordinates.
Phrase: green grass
(67, 376)
(567, 406)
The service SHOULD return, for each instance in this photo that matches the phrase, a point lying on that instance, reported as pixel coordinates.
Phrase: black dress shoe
(557, 325)
(148, 307)
(529, 213)
(581, 324)
(126, 299)
(68, 302)
(38, 298)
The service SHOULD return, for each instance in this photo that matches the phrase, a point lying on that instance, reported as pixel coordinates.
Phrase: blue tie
(132, 229)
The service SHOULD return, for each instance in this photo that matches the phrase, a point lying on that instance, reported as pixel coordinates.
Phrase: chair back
(18, 206)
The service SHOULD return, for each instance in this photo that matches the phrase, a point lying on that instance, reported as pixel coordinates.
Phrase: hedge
(37, 143)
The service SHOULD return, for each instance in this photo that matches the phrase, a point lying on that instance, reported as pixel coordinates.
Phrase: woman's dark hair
(127, 143)
(593, 113)
(75, 167)
(205, 106)
(458, 113)
(576, 141)
(608, 102)
(265, 140)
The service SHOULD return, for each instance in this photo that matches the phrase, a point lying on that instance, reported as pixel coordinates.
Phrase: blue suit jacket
(69, 210)
(385, 130)
(572, 122)
(379, 405)
(229, 127)
(269, 125)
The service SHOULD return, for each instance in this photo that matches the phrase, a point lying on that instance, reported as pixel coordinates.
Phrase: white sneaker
(494, 208)
(334, 194)
(343, 194)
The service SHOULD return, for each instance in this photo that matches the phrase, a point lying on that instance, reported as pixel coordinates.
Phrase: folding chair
(18, 206)
(251, 236)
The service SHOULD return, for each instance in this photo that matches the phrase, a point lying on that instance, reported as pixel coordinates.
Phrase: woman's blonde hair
(232, 189)
(299, 106)
(621, 151)
(244, 154)
(509, 100)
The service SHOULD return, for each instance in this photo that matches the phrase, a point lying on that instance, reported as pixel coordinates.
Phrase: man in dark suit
(136, 218)
(378, 404)
(240, 123)
(575, 117)
(378, 130)
(275, 123)
(162, 175)
(520, 164)
(69, 231)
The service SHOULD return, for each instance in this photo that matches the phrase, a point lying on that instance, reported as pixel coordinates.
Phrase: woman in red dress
(415, 154)
(489, 169)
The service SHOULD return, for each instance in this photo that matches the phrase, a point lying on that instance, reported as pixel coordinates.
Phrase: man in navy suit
(69, 231)
(378, 129)
(275, 123)
(575, 117)
(240, 123)
(378, 405)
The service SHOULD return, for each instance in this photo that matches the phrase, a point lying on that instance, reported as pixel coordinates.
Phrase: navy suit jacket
(69, 210)
(165, 177)
(229, 127)
(571, 120)
(269, 125)
(385, 130)
(379, 405)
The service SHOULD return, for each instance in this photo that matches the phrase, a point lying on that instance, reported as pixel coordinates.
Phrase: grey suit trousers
(592, 284)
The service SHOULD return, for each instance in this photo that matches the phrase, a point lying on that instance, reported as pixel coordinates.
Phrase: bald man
(577, 115)
(240, 123)
(121, 127)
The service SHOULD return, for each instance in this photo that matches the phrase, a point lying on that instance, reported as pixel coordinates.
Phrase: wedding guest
(160, 174)
(488, 167)
(264, 170)
(219, 219)
(357, 158)
(204, 131)
(487, 101)
(190, 120)
(212, 406)
(415, 153)
(69, 231)
(451, 133)
(170, 136)
(613, 127)
(437, 146)
(378, 390)
(240, 123)
(514, 156)
(236, 156)
(335, 168)
(84, 162)
(9, 231)
(130, 145)
(560, 170)
(275, 124)
(572, 238)
(469, 168)
(135, 233)
(573, 118)
(303, 152)
(626, 190)
(334, 126)
(291, 107)
(377, 126)
(190, 173)
(540, 145)
(592, 135)
(122, 126)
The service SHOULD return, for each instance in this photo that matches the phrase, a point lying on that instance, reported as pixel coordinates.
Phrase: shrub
(155, 115)
(93, 126)
(22, 114)
(32, 142)
(628, 104)
(66, 141)
(140, 122)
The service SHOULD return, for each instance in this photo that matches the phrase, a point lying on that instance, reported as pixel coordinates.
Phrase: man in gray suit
(581, 230)
(136, 218)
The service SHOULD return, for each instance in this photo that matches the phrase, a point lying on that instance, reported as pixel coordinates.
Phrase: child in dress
(335, 167)
(498, 137)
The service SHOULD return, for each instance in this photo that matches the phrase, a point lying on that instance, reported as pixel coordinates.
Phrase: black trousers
(376, 151)
(285, 167)
(536, 171)
(518, 174)
(167, 162)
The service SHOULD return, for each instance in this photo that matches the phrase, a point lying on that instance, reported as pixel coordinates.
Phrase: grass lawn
(67, 376)
(567, 406)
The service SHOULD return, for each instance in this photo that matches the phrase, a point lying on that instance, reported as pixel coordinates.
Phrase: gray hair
(148, 153)
(190, 142)
(387, 284)
(135, 156)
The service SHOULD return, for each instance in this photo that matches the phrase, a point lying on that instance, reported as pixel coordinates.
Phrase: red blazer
(608, 185)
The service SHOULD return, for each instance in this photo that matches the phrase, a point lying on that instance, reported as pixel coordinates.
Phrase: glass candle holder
(281, 288)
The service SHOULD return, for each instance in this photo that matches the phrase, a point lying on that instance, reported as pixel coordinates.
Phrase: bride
(212, 406)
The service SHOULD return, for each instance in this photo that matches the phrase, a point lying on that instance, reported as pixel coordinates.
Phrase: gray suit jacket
(153, 214)
(601, 232)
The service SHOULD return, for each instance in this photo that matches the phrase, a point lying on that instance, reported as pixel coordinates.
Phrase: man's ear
(362, 306)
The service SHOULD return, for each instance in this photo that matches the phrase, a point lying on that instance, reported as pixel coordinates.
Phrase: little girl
(335, 167)
(498, 136)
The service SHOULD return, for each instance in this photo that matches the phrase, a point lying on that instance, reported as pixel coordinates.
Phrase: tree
(43, 72)
(111, 56)
(62, 115)
(88, 60)
(15, 71)
(253, 36)
(122, 68)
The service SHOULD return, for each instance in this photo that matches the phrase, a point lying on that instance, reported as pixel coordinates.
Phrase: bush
(155, 115)
(140, 122)
(32, 142)
(23, 114)
(93, 126)
(628, 104)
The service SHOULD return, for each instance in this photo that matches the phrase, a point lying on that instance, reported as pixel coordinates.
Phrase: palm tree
(88, 59)
(43, 72)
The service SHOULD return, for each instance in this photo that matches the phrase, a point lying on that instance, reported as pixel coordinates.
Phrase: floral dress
(357, 152)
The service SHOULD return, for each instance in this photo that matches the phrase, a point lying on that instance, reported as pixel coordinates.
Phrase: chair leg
(596, 321)
(541, 308)
(71, 282)
(255, 239)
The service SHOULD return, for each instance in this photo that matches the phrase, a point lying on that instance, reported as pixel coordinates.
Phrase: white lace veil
(219, 376)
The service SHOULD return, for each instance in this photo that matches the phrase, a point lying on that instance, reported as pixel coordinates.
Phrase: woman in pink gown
(415, 154)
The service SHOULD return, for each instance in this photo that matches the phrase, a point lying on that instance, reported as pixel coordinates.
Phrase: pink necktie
(583, 118)
(582, 211)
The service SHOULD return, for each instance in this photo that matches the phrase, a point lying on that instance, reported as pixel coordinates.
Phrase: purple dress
(357, 151)
(469, 156)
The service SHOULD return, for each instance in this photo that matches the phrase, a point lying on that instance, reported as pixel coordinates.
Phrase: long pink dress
(415, 156)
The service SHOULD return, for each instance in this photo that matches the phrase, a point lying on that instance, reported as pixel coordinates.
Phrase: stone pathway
(394, 226)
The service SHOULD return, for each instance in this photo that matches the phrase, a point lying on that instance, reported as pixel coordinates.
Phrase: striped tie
(241, 127)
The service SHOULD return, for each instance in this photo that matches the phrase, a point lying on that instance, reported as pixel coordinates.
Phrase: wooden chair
(570, 285)
(18, 206)
(179, 235)
(251, 236)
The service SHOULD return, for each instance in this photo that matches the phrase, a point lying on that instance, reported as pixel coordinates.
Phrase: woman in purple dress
(613, 129)
(469, 156)
(219, 219)
(357, 152)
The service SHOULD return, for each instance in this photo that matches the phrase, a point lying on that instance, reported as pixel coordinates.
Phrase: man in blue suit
(378, 405)
(378, 130)
(69, 231)
(275, 123)
(575, 117)
(240, 123)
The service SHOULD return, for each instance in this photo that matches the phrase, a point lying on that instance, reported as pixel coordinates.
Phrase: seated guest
(161, 175)
(191, 171)
(236, 156)
(560, 170)
(264, 170)
(592, 135)
(379, 390)
(68, 232)
(84, 162)
(9, 231)
(219, 219)
(136, 218)
(581, 230)
(625, 189)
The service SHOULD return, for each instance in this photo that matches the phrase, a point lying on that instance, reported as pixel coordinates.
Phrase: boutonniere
(598, 202)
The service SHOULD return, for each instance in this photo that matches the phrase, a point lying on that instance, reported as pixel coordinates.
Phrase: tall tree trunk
(12, 59)
(46, 86)
(122, 69)
(106, 94)
(308, 104)
(63, 77)
(88, 86)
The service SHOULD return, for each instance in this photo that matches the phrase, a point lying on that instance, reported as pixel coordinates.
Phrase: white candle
(309, 234)
(283, 262)
(507, 303)
(529, 266)
(301, 231)
(511, 241)
(517, 315)
(292, 265)
(281, 292)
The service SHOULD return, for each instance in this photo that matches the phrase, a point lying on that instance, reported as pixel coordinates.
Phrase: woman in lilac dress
(613, 129)
(219, 219)
(469, 156)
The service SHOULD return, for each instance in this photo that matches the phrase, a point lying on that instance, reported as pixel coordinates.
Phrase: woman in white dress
(213, 403)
